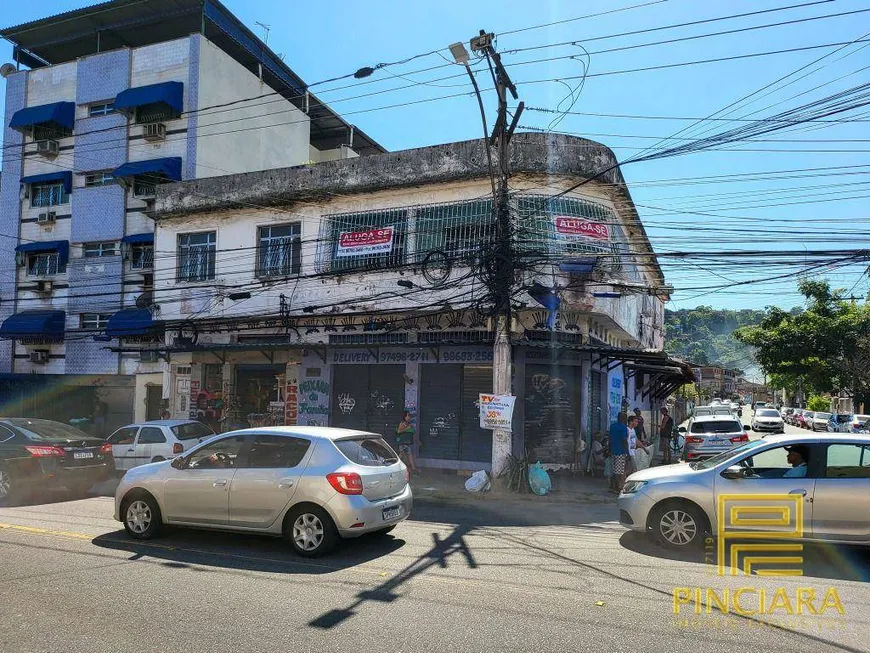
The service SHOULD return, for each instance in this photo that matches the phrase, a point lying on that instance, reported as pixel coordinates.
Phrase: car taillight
(106, 449)
(43, 452)
(177, 448)
(346, 482)
(693, 440)
(740, 438)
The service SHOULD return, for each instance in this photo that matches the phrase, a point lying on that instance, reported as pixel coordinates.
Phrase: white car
(819, 422)
(149, 442)
(859, 422)
(768, 420)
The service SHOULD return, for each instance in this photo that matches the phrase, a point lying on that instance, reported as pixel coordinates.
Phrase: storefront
(368, 397)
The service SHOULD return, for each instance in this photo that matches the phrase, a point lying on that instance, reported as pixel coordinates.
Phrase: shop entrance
(552, 412)
(260, 394)
(368, 398)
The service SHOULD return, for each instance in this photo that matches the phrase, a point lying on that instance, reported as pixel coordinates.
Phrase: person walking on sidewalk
(618, 452)
(666, 431)
(406, 439)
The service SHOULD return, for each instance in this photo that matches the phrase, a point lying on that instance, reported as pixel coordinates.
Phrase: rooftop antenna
(266, 29)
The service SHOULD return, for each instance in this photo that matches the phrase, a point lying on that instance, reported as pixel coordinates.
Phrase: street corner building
(344, 293)
(103, 105)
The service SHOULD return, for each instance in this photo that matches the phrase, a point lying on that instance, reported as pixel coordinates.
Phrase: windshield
(824, 415)
(768, 412)
(808, 414)
(725, 455)
(191, 430)
(44, 429)
(371, 452)
(725, 426)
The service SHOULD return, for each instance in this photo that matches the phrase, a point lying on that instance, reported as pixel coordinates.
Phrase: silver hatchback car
(313, 485)
(709, 435)
(828, 474)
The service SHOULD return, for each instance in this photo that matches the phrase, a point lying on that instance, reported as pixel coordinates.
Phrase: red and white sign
(580, 229)
(361, 243)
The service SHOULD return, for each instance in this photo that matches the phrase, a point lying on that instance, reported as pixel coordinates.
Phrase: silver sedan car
(709, 435)
(828, 474)
(313, 485)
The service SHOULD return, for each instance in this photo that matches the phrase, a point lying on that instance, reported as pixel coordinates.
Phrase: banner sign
(574, 229)
(363, 243)
(496, 411)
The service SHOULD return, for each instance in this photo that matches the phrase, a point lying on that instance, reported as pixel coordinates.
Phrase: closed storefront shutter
(552, 415)
(368, 398)
(438, 422)
(349, 401)
(475, 442)
(598, 410)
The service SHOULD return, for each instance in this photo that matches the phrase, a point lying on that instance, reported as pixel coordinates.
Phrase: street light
(460, 54)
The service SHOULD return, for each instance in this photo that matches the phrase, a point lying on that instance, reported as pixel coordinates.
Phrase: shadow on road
(197, 550)
(491, 511)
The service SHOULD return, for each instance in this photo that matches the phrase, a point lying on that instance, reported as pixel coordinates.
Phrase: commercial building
(347, 292)
(103, 105)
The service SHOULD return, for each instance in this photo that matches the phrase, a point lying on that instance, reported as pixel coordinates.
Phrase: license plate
(392, 513)
(716, 440)
(79, 455)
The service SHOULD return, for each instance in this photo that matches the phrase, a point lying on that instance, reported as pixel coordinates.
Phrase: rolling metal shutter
(552, 415)
(598, 410)
(438, 421)
(368, 398)
(475, 443)
(349, 401)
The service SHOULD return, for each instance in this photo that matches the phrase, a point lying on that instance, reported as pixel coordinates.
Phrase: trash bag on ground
(641, 459)
(539, 479)
(478, 482)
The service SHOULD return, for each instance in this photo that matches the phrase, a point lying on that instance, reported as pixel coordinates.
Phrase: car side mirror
(682, 429)
(734, 472)
(179, 463)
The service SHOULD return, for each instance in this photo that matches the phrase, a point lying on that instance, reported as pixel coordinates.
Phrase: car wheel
(7, 488)
(311, 531)
(157, 459)
(679, 525)
(141, 517)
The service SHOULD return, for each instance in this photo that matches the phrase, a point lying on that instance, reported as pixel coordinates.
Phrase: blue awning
(168, 168)
(136, 239)
(168, 93)
(62, 114)
(130, 322)
(59, 246)
(578, 265)
(62, 175)
(34, 324)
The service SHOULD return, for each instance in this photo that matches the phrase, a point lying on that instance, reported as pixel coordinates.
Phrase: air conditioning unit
(46, 218)
(49, 147)
(154, 131)
(43, 286)
(40, 356)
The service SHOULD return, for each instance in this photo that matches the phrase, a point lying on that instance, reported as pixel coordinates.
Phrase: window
(725, 426)
(141, 256)
(371, 452)
(94, 321)
(217, 455)
(367, 241)
(96, 250)
(101, 109)
(459, 230)
(99, 179)
(196, 256)
(191, 431)
(776, 463)
(46, 264)
(51, 194)
(144, 187)
(280, 250)
(49, 132)
(5, 434)
(151, 435)
(124, 435)
(848, 461)
(158, 112)
(276, 452)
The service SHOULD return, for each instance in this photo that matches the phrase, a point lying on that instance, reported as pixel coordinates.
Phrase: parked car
(819, 422)
(768, 420)
(149, 442)
(804, 419)
(840, 424)
(708, 435)
(39, 454)
(860, 422)
(313, 485)
(677, 504)
(793, 418)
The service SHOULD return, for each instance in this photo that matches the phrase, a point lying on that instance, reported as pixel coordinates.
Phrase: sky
(795, 190)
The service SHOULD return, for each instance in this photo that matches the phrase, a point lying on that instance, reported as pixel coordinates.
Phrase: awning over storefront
(169, 94)
(578, 265)
(59, 246)
(62, 114)
(49, 325)
(138, 239)
(131, 322)
(62, 175)
(168, 168)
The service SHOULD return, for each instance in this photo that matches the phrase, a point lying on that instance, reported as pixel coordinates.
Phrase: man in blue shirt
(797, 458)
(618, 452)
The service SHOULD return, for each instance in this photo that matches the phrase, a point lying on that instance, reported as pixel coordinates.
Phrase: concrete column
(501, 385)
(585, 400)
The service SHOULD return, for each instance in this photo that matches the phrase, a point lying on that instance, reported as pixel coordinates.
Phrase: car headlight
(631, 487)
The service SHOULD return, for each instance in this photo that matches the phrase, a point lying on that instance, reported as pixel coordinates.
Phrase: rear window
(862, 418)
(44, 429)
(768, 412)
(724, 426)
(191, 430)
(371, 452)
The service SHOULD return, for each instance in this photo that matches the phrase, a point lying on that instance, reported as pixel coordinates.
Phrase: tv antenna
(266, 29)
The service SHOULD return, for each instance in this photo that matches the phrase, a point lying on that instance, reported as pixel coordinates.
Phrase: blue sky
(813, 210)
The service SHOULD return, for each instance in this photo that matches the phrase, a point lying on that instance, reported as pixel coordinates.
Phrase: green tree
(826, 346)
(817, 403)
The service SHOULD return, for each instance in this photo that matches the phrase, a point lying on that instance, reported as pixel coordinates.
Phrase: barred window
(51, 194)
(144, 186)
(367, 241)
(96, 250)
(196, 256)
(460, 230)
(44, 264)
(157, 112)
(141, 256)
(280, 250)
(50, 132)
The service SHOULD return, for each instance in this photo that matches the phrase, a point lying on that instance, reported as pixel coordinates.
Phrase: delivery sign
(496, 411)
(580, 229)
(365, 242)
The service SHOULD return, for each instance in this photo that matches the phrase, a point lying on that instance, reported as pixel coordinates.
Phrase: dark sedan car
(41, 454)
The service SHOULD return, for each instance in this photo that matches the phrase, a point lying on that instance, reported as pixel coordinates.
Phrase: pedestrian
(641, 425)
(634, 443)
(618, 452)
(666, 431)
(406, 438)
